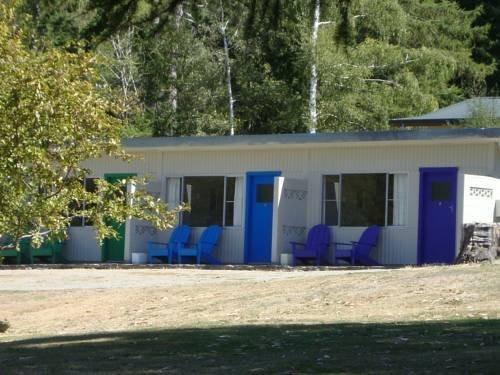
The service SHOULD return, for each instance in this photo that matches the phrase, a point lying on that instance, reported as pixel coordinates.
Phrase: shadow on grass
(465, 346)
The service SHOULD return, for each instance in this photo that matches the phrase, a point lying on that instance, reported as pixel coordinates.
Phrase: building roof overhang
(283, 141)
(487, 107)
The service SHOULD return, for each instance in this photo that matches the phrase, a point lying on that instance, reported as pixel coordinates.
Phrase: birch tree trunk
(227, 66)
(123, 68)
(173, 94)
(313, 113)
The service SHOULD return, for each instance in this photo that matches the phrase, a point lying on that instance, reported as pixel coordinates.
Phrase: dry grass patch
(267, 316)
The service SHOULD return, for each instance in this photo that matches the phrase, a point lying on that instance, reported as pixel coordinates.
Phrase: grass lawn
(410, 320)
(470, 346)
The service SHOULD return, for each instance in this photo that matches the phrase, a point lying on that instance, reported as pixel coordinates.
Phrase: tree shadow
(462, 346)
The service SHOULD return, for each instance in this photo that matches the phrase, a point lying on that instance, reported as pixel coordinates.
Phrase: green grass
(465, 346)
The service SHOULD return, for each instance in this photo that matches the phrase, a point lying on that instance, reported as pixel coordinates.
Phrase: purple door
(437, 215)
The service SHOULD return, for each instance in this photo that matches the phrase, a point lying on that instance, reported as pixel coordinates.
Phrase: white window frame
(181, 219)
(339, 203)
(407, 174)
(323, 200)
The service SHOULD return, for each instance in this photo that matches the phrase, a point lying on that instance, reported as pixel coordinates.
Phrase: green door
(113, 249)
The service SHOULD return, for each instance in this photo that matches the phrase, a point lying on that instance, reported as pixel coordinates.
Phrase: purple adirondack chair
(202, 251)
(358, 252)
(318, 240)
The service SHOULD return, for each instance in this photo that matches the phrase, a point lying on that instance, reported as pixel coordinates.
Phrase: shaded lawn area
(462, 346)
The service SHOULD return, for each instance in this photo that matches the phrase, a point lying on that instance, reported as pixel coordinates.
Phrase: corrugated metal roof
(454, 113)
(280, 140)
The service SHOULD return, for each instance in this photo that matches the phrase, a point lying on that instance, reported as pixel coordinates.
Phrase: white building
(267, 190)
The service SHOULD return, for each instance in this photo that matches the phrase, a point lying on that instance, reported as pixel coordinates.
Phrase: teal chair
(9, 254)
(49, 251)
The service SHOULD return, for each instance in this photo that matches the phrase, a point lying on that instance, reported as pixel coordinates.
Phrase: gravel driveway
(66, 279)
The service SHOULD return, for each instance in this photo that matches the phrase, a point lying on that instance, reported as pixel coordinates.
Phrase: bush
(4, 326)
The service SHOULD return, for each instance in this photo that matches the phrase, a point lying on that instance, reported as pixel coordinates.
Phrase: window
(213, 200)
(229, 199)
(80, 221)
(205, 195)
(364, 199)
(397, 190)
(440, 191)
(265, 193)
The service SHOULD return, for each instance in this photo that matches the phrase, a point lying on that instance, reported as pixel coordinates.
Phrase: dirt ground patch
(79, 301)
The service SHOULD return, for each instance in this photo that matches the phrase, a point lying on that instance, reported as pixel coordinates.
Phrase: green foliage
(409, 58)
(183, 68)
(481, 117)
(54, 115)
(377, 59)
(486, 48)
(4, 325)
(55, 22)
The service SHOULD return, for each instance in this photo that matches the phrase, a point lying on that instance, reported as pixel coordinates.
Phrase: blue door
(259, 216)
(437, 215)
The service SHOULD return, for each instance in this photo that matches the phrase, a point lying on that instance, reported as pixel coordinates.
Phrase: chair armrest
(296, 245)
(363, 243)
(213, 244)
(157, 243)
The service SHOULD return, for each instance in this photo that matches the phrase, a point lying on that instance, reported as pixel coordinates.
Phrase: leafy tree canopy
(487, 46)
(54, 115)
(375, 59)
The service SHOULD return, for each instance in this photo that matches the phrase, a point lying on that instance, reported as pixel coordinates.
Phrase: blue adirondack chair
(202, 251)
(160, 250)
(358, 252)
(318, 240)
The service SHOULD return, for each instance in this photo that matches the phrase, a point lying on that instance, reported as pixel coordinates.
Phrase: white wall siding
(143, 164)
(219, 163)
(398, 245)
(479, 196)
(289, 215)
(82, 245)
(401, 158)
(230, 247)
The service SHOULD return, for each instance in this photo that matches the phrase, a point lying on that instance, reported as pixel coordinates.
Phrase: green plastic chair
(10, 253)
(49, 251)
